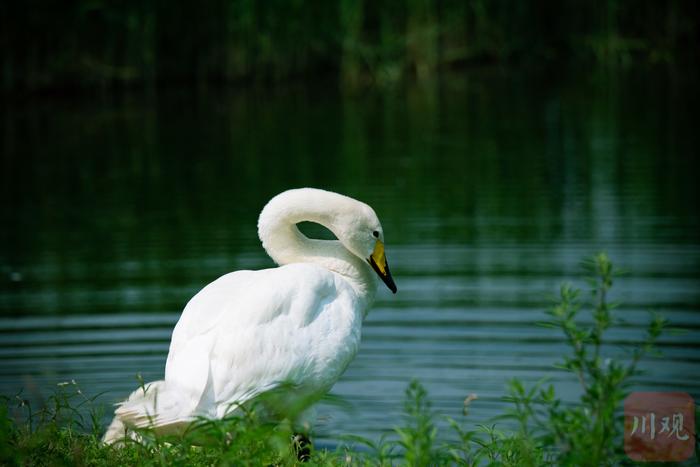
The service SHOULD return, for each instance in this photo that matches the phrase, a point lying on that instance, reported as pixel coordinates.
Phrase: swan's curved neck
(281, 238)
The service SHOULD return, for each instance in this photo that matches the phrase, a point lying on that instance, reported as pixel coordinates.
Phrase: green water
(491, 188)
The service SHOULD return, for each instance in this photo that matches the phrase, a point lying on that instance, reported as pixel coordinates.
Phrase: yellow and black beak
(378, 262)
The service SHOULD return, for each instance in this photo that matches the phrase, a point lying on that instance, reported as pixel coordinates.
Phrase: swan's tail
(154, 406)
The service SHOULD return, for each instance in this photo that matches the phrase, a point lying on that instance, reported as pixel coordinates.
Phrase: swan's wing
(253, 330)
(203, 311)
(195, 334)
(164, 404)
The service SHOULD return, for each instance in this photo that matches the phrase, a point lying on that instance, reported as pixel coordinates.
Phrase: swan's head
(354, 223)
(359, 230)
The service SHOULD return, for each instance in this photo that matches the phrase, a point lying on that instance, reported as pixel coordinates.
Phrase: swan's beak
(378, 262)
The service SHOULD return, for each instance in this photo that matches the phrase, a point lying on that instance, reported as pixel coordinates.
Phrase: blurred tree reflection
(82, 43)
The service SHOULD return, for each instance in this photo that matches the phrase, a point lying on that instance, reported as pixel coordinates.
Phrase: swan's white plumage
(249, 332)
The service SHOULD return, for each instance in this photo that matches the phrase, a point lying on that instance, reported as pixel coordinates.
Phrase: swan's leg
(302, 446)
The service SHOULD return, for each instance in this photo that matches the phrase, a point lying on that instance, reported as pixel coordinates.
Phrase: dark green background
(108, 44)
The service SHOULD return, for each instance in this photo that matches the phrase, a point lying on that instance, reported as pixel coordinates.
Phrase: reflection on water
(491, 190)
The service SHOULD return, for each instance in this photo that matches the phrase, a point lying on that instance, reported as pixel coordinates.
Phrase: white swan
(295, 327)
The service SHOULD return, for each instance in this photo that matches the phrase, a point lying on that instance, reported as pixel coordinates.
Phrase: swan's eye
(376, 234)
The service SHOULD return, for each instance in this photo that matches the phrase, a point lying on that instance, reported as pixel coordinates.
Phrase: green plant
(547, 430)
(66, 431)
(417, 436)
(588, 433)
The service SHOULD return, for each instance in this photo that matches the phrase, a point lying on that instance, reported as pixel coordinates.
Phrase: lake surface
(491, 188)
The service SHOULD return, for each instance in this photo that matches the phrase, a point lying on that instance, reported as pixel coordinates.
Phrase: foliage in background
(542, 430)
(102, 43)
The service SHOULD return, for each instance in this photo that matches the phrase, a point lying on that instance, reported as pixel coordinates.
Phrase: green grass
(541, 430)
